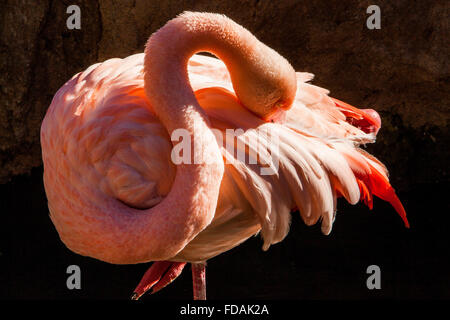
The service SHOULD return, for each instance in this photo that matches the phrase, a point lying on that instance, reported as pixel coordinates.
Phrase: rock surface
(401, 70)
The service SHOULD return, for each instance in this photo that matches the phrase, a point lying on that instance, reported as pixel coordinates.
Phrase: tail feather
(374, 182)
(378, 184)
(366, 195)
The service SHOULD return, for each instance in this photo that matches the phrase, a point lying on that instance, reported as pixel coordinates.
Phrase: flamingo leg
(159, 275)
(199, 280)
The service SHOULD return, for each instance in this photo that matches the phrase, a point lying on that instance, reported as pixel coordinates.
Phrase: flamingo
(115, 193)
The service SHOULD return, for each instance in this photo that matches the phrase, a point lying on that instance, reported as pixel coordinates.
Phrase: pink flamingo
(115, 194)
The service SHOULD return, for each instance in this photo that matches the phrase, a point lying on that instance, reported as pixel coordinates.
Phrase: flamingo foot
(199, 280)
(159, 275)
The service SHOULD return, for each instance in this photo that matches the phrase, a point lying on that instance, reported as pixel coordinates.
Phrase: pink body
(114, 193)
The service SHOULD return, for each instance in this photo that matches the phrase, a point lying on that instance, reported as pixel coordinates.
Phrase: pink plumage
(115, 194)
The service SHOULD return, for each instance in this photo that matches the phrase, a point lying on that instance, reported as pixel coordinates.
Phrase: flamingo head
(266, 93)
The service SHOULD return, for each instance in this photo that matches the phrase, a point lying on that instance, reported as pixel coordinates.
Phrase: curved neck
(263, 80)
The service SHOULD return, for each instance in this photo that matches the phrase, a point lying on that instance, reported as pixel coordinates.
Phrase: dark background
(400, 70)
